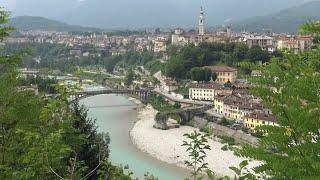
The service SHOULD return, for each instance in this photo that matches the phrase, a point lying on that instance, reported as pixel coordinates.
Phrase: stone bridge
(185, 114)
(142, 95)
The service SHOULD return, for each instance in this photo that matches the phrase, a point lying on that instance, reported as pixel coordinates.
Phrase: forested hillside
(41, 23)
(287, 20)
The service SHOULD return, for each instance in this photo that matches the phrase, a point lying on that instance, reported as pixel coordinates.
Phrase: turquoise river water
(117, 115)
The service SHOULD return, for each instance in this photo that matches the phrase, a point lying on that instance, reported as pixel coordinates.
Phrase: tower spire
(201, 22)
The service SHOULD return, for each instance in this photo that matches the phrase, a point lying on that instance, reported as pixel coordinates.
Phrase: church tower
(201, 23)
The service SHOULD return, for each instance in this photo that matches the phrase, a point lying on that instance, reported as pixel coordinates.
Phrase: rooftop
(262, 116)
(221, 68)
(206, 86)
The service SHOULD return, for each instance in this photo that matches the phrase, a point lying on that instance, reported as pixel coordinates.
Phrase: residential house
(224, 74)
(256, 119)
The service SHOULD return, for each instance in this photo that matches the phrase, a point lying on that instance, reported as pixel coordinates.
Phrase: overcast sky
(128, 13)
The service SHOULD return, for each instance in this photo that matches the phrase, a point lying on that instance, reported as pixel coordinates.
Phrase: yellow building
(255, 120)
(205, 92)
(219, 104)
(225, 74)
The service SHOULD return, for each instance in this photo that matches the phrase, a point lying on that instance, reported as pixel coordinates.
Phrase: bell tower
(201, 23)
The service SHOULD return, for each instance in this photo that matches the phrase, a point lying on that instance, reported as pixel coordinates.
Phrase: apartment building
(160, 44)
(205, 91)
(237, 105)
(265, 42)
(297, 44)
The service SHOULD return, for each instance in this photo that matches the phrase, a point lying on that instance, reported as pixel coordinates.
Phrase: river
(117, 115)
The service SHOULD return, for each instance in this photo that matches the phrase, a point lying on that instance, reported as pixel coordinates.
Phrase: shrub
(224, 148)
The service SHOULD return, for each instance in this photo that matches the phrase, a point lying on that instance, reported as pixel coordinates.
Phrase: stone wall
(219, 130)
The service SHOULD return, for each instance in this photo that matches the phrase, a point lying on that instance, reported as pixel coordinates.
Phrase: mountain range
(146, 13)
(40, 23)
(285, 20)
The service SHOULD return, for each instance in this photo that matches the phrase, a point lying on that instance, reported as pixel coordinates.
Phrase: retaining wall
(219, 130)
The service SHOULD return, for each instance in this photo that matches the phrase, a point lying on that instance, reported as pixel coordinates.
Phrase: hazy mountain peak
(145, 13)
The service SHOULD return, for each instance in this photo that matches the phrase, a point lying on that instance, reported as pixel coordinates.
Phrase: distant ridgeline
(287, 20)
(27, 23)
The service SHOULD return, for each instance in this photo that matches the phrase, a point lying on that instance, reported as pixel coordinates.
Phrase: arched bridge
(185, 115)
(140, 94)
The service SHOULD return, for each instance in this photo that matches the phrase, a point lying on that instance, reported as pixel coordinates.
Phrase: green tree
(312, 28)
(241, 51)
(175, 68)
(177, 105)
(197, 145)
(214, 76)
(196, 74)
(201, 74)
(95, 149)
(228, 84)
(257, 54)
(243, 173)
(110, 62)
(44, 138)
(149, 176)
(129, 77)
(207, 75)
(290, 88)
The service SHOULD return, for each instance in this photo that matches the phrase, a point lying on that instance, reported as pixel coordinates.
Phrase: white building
(205, 92)
(160, 44)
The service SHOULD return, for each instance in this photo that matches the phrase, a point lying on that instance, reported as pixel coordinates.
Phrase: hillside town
(228, 94)
(199, 98)
(233, 102)
(157, 41)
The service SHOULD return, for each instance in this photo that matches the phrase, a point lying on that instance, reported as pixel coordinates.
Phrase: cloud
(8, 4)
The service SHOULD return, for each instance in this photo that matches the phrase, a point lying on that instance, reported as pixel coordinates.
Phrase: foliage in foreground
(197, 145)
(46, 139)
(290, 88)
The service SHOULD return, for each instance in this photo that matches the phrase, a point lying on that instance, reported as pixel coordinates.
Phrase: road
(171, 97)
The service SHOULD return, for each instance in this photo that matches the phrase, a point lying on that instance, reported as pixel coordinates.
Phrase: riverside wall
(219, 130)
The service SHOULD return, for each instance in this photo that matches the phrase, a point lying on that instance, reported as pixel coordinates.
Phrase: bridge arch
(185, 115)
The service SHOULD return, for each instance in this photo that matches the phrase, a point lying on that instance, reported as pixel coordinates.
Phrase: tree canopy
(46, 138)
(290, 88)
(183, 59)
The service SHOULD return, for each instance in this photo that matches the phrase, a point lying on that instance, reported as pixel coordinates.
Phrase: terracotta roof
(206, 85)
(262, 116)
(251, 106)
(221, 68)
